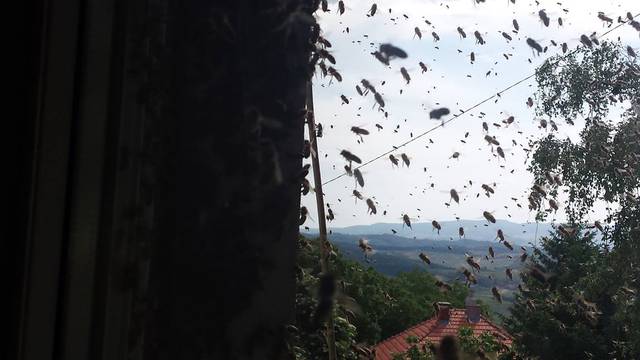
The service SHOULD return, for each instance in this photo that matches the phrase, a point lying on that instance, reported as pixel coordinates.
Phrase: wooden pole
(317, 179)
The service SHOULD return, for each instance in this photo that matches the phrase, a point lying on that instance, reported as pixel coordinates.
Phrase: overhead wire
(463, 112)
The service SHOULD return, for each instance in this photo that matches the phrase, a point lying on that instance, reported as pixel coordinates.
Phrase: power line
(464, 111)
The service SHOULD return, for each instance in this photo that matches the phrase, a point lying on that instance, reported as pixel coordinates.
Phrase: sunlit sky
(453, 82)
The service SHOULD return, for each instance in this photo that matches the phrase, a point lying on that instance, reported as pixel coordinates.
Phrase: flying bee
(479, 39)
(472, 57)
(358, 176)
(506, 36)
(373, 10)
(391, 52)
(405, 74)
(584, 39)
(438, 113)
(424, 258)
(496, 294)
(334, 73)
(305, 187)
(454, 195)
(491, 140)
(347, 170)
(357, 195)
(436, 225)
(405, 159)
(367, 86)
(372, 207)
(461, 232)
(485, 126)
(598, 226)
(509, 273)
(417, 32)
(488, 188)
(604, 18)
(565, 47)
(543, 16)
(423, 67)
(473, 263)
(491, 252)
(462, 33)
(455, 155)
(523, 257)
(303, 215)
(359, 131)
(500, 152)
(350, 157)
(560, 22)
(345, 100)
(393, 159)
(406, 220)
(529, 102)
(341, 7)
(471, 279)
(515, 25)
(540, 190)
(553, 204)
(508, 245)
(436, 37)
(442, 285)
(379, 99)
(534, 45)
(490, 218)
(500, 235)
(631, 52)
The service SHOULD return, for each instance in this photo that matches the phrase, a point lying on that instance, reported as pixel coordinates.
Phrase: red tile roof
(433, 331)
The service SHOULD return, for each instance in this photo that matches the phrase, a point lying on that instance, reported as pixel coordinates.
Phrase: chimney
(443, 311)
(473, 310)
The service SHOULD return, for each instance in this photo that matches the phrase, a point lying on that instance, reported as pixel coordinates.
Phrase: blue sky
(451, 81)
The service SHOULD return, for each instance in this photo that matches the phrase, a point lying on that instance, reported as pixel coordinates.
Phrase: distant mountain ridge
(480, 230)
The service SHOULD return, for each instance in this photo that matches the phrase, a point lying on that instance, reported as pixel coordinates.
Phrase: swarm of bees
(542, 196)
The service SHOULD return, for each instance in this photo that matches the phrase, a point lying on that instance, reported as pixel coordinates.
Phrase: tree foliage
(587, 304)
(369, 306)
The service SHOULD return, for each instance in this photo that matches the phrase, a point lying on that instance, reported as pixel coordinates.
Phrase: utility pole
(317, 179)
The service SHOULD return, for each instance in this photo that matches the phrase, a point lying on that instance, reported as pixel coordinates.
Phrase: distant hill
(394, 254)
(481, 230)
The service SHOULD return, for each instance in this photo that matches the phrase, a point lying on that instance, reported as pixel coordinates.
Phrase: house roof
(434, 331)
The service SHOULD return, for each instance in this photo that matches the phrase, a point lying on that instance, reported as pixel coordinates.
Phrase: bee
(553, 204)
(500, 235)
(436, 38)
(485, 126)
(515, 25)
(373, 10)
(324, 5)
(500, 152)
(319, 130)
(529, 102)
(357, 195)
(490, 218)
(507, 245)
(305, 186)
(454, 195)
(630, 51)
(472, 56)
(405, 159)
(393, 159)
(367, 86)
(303, 215)
(443, 285)
(436, 225)
(479, 39)
(462, 33)
(359, 90)
(491, 252)
(438, 113)
(364, 245)
(509, 273)
(330, 215)
(559, 21)
(372, 207)
(347, 170)
(405, 74)
(540, 190)
(379, 99)
(534, 45)
(391, 52)
(584, 39)
(543, 16)
(423, 67)
(344, 99)
(598, 226)
(491, 140)
(473, 263)
(461, 231)
(350, 157)
(604, 17)
(406, 220)
(455, 155)
(424, 258)
(496, 294)
(359, 131)
(359, 179)
(334, 73)
(506, 36)
(470, 277)
(565, 47)
(523, 257)
(417, 32)
(341, 7)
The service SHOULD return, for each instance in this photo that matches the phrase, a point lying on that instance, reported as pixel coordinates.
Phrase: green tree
(586, 304)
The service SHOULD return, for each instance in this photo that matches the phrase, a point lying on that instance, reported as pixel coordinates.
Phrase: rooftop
(446, 322)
